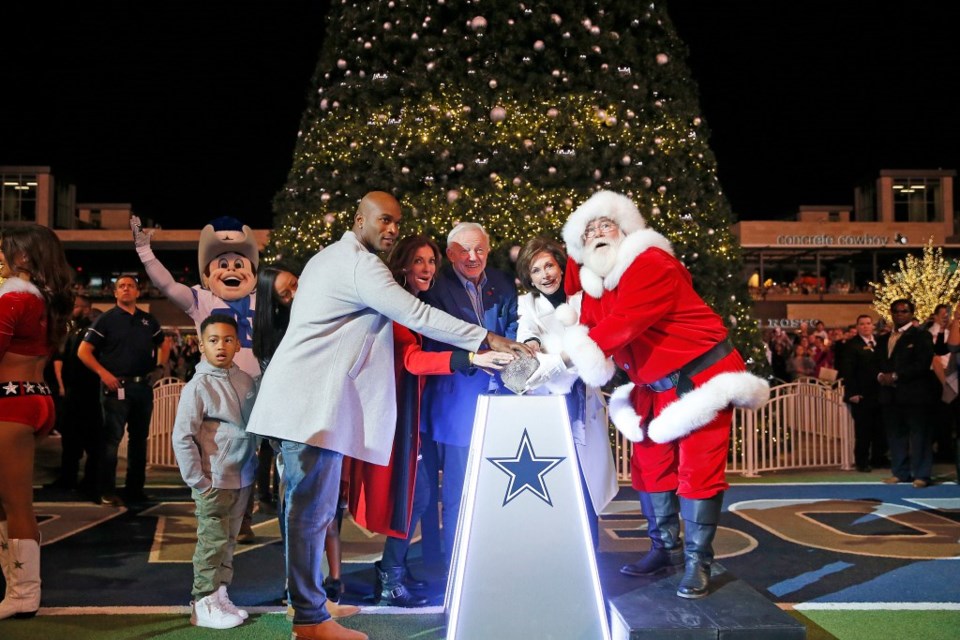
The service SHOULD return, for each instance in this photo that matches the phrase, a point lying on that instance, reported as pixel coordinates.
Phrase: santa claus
(640, 313)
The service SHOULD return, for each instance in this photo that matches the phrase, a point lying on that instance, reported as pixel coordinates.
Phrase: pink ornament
(478, 23)
(662, 58)
(498, 114)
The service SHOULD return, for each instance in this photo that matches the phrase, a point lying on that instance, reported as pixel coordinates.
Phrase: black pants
(81, 430)
(134, 412)
(870, 442)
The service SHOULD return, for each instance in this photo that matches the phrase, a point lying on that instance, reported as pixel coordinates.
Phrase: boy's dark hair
(221, 318)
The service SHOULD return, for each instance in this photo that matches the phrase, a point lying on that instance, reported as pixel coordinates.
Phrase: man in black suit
(860, 362)
(907, 385)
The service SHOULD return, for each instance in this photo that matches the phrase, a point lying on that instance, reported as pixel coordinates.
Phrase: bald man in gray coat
(330, 389)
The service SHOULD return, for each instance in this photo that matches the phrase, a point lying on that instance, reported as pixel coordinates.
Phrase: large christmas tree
(511, 114)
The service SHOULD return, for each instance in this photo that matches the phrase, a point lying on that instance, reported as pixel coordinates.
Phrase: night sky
(190, 110)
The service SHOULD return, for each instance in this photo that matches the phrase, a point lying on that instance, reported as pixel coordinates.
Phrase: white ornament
(367, 45)
(498, 114)
(493, 84)
(405, 170)
(662, 58)
(626, 160)
(341, 64)
(478, 23)
(517, 181)
(655, 211)
(324, 198)
(552, 112)
(661, 189)
(387, 26)
(556, 18)
(452, 195)
(595, 30)
(647, 182)
(596, 174)
(431, 66)
(539, 45)
(552, 171)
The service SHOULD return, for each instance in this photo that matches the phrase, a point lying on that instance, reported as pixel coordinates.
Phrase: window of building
(18, 198)
(917, 200)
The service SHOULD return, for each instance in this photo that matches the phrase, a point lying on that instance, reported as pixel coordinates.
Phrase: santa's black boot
(663, 527)
(700, 519)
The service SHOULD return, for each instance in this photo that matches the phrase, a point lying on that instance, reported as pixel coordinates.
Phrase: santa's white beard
(601, 260)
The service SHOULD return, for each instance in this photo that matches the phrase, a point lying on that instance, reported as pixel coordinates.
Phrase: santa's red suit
(643, 315)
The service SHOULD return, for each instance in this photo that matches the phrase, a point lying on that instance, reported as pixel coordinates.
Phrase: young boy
(218, 461)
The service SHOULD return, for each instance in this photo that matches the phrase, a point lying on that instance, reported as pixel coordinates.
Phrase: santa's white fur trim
(19, 285)
(591, 282)
(594, 368)
(701, 406)
(623, 415)
(602, 204)
(566, 315)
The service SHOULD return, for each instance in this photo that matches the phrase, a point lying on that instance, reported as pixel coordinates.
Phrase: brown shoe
(335, 610)
(891, 480)
(920, 484)
(326, 630)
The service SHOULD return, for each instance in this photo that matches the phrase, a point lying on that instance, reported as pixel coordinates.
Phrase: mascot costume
(228, 261)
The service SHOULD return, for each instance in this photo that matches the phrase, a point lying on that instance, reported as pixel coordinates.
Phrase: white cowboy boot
(23, 580)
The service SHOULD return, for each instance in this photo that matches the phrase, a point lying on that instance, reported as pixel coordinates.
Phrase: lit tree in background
(511, 114)
(927, 281)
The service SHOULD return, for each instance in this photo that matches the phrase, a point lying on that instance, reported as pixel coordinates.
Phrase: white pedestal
(523, 564)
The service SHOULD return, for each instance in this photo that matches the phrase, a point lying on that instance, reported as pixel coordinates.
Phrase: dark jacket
(911, 360)
(859, 367)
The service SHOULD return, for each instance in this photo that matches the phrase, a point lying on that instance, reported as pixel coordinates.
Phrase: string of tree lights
(511, 114)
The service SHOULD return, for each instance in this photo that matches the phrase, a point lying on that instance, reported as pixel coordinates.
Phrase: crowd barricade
(804, 424)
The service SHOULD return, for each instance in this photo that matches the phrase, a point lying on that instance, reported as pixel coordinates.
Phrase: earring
(404, 283)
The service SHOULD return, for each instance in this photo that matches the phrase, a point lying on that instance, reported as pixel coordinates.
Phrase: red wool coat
(371, 496)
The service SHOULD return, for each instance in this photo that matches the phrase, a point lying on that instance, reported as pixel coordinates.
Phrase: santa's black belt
(681, 378)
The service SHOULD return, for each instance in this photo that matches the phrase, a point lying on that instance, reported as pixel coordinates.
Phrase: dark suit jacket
(859, 367)
(911, 360)
(449, 402)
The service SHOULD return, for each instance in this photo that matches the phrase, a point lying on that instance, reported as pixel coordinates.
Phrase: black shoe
(111, 500)
(333, 588)
(412, 583)
(136, 497)
(62, 484)
(389, 589)
(655, 560)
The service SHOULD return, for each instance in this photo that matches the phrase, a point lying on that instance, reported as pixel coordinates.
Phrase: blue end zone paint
(925, 581)
(780, 589)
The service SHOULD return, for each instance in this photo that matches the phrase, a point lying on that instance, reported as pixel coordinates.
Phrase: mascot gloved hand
(228, 257)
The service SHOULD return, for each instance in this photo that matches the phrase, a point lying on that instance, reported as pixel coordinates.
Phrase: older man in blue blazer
(468, 290)
(330, 390)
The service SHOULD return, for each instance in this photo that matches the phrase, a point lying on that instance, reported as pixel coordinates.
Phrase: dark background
(190, 110)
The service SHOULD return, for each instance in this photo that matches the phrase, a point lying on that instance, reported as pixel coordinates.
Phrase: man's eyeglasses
(601, 228)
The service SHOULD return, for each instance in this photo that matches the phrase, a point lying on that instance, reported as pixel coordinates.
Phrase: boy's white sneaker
(228, 605)
(209, 612)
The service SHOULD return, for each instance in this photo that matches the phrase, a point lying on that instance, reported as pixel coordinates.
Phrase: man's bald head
(377, 223)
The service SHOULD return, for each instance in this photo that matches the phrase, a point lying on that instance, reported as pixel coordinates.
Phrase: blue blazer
(449, 402)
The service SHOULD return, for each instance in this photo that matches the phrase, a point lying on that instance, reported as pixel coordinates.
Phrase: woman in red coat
(391, 499)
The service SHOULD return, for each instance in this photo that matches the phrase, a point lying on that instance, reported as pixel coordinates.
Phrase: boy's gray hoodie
(209, 434)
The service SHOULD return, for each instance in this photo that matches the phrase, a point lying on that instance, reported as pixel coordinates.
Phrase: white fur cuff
(593, 366)
(701, 406)
(622, 414)
(566, 315)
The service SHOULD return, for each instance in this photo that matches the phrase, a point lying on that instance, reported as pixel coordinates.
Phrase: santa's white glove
(551, 366)
(141, 236)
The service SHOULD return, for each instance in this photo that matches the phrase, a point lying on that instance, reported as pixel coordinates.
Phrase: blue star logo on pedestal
(526, 471)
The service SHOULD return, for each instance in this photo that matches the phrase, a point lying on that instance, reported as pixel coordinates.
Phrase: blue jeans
(452, 461)
(134, 412)
(311, 479)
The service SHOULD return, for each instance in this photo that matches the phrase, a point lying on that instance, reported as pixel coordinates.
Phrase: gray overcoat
(331, 382)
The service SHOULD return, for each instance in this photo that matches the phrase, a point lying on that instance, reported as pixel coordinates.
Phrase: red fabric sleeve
(415, 360)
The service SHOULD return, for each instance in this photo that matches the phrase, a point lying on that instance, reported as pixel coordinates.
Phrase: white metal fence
(804, 425)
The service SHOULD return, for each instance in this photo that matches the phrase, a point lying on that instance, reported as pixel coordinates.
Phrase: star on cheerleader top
(526, 471)
(12, 388)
